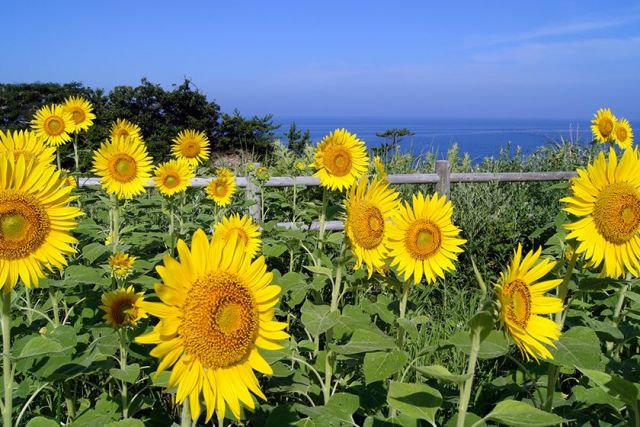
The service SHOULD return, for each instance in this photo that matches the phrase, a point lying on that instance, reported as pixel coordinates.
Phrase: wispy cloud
(552, 31)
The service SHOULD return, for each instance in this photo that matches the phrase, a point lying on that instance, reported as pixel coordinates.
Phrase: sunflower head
(124, 128)
(262, 173)
(301, 165)
(221, 189)
(27, 144)
(173, 177)
(340, 159)
(53, 124)
(370, 209)
(523, 305)
(191, 146)
(605, 198)
(423, 239)
(603, 125)
(36, 221)
(243, 229)
(70, 181)
(121, 265)
(623, 133)
(123, 165)
(81, 112)
(378, 167)
(123, 307)
(216, 312)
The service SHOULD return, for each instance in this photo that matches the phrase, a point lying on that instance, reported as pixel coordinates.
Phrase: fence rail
(442, 178)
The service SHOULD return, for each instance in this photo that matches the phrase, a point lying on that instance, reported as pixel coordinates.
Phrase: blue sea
(479, 137)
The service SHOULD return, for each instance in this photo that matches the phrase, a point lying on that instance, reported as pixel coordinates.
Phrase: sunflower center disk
(24, 225)
(621, 134)
(423, 239)
(190, 149)
(123, 168)
(617, 212)
(518, 302)
(338, 161)
(121, 132)
(123, 311)
(221, 189)
(78, 116)
(54, 125)
(367, 224)
(219, 320)
(606, 127)
(171, 181)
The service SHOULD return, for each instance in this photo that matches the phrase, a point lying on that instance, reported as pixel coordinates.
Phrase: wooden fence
(442, 178)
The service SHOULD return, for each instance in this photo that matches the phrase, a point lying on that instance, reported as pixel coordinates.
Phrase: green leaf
(273, 251)
(441, 373)
(615, 386)
(596, 396)
(415, 400)
(291, 280)
(42, 422)
(93, 251)
(514, 413)
(282, 416)
(345, 403)
(319, 270)
(318, 318)
(364, 340)
(38, 346)
(578, 347)
(130, 374)
(381, 365)
(409, 327)
(128, 422)
(494, 345)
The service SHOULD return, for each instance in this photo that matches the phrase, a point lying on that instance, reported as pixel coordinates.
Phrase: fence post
(252, 192)
(443, 169)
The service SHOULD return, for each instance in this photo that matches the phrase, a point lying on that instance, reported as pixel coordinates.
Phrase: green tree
(238, 133)
(393, 136)
(296, 139)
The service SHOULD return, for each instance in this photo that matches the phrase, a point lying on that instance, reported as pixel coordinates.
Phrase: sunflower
(81, 112)
(123, 307)
(522, 301)
(121, 265)
(243, 228)
(35, 221)
(262, 173)
(423, 240)
(216, 311)
(340, 159)
(623, 134)
(53, 125)
(221, 189)
(378, 167)
(26, 143)
(70, 181)
(192, 146)
(606, 198)
(301, 165)
(224, 173)
(173, 177)
(123, 165)
(369, 211)
(603, 124)
(123, 127)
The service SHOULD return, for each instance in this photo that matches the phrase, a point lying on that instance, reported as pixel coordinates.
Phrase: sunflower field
(141, 298)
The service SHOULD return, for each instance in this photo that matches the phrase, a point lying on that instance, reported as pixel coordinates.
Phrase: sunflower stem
(115, 226)
(335, 297)
(58, 159)
(75, 152)
(172, 229)
(553, 372)
(322, 220)
(617, 314)
(404, 296)
(7, 368)
(54, 307)
(123, 367)
(465, 390)
(185, 418)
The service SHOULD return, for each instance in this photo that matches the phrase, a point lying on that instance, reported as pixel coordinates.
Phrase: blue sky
(541, 59)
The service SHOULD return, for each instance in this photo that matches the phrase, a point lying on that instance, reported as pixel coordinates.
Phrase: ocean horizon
(479, 137)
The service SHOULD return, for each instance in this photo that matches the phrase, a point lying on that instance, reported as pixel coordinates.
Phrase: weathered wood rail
(443, 178)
